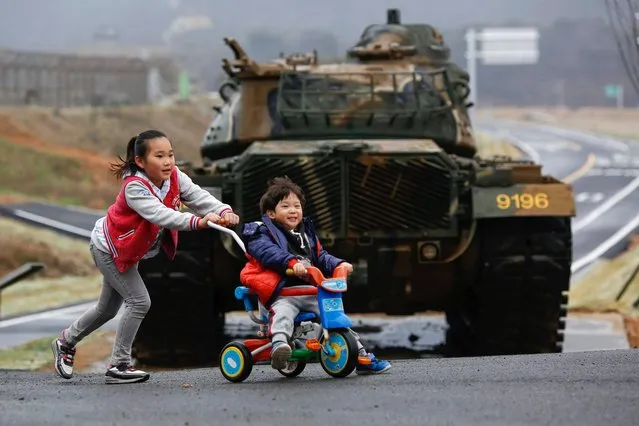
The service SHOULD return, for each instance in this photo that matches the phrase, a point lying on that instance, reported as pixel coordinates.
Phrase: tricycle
(335, 346)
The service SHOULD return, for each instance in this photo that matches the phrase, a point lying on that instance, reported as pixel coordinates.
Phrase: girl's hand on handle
(230, 219)
(202, 222)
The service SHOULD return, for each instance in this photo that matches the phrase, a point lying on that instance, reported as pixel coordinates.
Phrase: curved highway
(604, 173)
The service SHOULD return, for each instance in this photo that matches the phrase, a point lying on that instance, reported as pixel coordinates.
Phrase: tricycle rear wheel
(236, 362)
(293, 369)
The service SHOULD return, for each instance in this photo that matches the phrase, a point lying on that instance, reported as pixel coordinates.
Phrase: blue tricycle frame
(336, 349)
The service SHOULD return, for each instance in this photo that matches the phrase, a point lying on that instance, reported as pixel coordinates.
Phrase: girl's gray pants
(117, 287)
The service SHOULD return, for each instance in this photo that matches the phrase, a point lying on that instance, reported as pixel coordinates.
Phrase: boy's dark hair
(137, 146)
(278, 189)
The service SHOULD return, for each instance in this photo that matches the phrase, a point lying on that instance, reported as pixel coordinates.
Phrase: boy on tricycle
(281, 249)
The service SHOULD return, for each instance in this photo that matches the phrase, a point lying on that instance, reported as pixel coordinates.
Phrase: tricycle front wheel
(236, 362)
(344, 360)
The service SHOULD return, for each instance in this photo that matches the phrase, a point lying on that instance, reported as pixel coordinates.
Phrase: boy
(286, 240)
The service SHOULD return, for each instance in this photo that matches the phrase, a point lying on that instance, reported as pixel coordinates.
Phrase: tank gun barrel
(243, 66)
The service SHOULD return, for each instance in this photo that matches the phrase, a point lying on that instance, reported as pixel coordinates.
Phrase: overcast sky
(64, 24)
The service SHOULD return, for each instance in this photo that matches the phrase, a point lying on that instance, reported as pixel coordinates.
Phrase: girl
(144, 219)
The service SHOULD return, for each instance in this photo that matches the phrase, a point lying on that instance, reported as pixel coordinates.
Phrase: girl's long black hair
(137, 146)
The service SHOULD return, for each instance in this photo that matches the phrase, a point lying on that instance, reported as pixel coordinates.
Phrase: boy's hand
(230, 219)
(299, 270)
(202, 222)
(347, 266)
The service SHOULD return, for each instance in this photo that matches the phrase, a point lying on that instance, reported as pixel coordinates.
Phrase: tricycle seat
(304, 316)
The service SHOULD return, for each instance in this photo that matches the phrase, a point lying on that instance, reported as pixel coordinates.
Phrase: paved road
(587, 388)
(72, 221)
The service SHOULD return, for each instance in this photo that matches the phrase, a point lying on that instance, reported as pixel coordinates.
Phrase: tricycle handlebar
(315, 274)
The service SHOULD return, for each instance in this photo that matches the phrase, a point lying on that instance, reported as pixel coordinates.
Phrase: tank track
(517, 301)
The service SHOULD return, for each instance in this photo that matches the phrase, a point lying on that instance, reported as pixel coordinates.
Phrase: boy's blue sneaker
(376, 366)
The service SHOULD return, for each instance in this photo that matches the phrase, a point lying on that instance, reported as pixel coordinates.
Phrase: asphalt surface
(588, 388)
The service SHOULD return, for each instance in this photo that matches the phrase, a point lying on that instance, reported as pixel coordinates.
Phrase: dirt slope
(621, 123)
(64, 155)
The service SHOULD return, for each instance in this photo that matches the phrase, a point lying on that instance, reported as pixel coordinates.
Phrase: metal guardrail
(18, 275)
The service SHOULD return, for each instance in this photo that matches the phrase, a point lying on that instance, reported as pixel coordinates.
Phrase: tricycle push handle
(231, 232)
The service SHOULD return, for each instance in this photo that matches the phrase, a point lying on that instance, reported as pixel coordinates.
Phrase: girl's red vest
(129, 236)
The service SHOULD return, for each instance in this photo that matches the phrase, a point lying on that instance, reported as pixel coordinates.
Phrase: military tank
(383, 145)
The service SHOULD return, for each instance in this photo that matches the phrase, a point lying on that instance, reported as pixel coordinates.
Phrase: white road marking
(53, 223)
(605, 246)
(589, 197)
(604, 207)
(589, 138)
(613, 172)
(524, 146)
(80, 209)
(55, 313)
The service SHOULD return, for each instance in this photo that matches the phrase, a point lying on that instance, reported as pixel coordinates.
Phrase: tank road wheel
(236, 362)
(344, 361)
(516, 301)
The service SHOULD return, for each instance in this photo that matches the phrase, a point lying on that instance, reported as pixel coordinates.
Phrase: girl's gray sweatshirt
(150, 205)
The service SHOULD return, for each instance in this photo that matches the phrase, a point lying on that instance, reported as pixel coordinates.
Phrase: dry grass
(598, 290)
(64, 155)
(37, 355)
(621, 123)
(70, 275)
(39, 174)
(24, 243)
(609, 286)
(39, 294)
(105, 131)
(488, 146)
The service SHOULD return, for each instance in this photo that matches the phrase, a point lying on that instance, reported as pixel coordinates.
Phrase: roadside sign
(614, 91)
(500, 46)
(508, 46)
(184, 86)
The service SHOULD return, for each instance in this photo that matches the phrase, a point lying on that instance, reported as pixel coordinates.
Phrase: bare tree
(624, 18)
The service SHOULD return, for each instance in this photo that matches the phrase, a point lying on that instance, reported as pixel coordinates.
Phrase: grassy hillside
(69, 275)
(63, 156)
